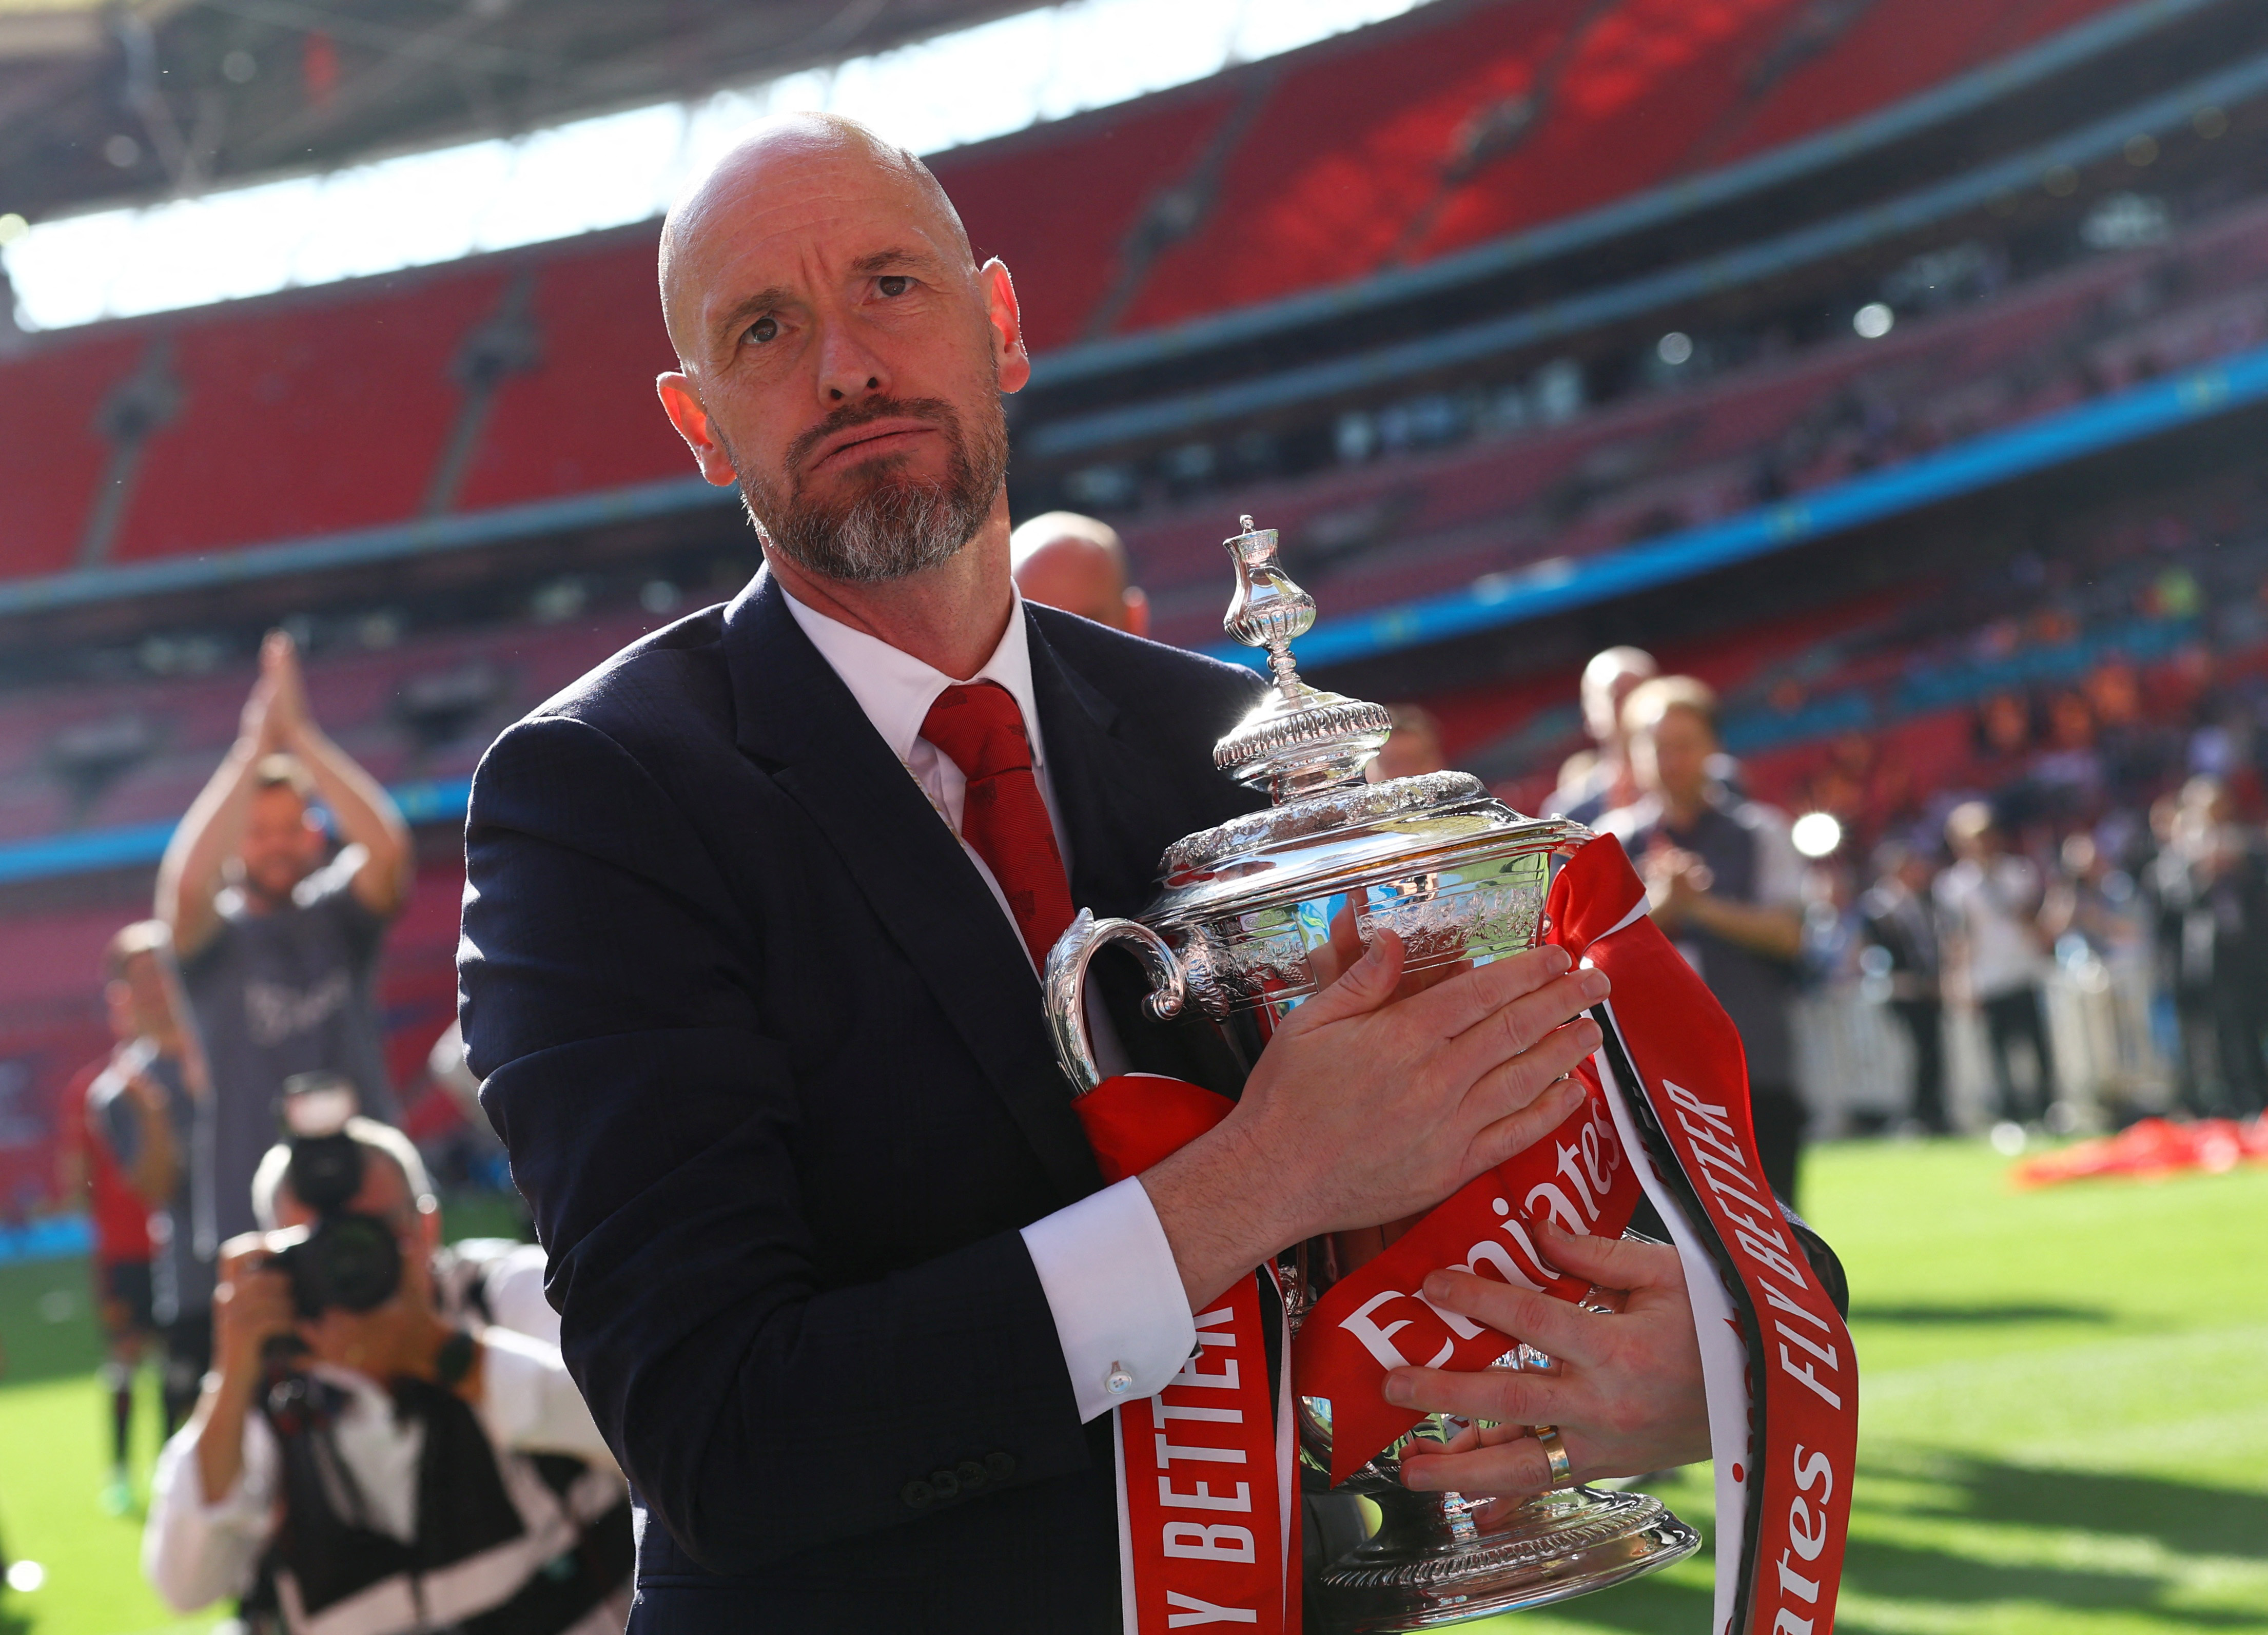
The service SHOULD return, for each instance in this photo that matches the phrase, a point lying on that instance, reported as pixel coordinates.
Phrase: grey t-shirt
(1747, 847)
(285, 992)
(181, 1256)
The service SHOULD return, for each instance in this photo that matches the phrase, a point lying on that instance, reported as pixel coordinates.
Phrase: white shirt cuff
(531, 1402)
(1121, 1315)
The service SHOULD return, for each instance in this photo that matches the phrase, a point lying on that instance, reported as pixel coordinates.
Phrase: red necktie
(979, 727)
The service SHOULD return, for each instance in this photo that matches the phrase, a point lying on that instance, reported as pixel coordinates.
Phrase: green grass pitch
(2064, 1419)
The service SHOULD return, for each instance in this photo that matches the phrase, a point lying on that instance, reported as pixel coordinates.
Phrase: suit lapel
(793, 713)
(1107, 789)
(1117, 810)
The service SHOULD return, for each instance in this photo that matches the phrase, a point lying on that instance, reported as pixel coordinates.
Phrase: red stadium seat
(586, 418)
(52, 454)
(306, 415)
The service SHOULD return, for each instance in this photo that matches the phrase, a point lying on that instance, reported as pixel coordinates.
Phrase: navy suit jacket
(772, 1068)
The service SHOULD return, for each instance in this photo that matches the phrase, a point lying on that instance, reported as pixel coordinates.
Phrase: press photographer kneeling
(388, 1440)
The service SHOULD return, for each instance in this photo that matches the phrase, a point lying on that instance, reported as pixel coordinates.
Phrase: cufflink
(1117, 1382)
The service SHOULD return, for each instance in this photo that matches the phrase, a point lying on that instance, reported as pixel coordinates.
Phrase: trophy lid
(1327, 828)
(1298, 741)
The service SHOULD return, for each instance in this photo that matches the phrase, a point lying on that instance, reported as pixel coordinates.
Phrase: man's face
(137, 1001)
(1672, 758)
(843, 361)
(1603, 704)
(375, 1341)
(282, 844)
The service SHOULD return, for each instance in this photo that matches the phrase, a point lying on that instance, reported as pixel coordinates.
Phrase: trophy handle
(1063, 985)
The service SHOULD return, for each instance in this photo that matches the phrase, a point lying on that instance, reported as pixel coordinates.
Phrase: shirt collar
(896, 690)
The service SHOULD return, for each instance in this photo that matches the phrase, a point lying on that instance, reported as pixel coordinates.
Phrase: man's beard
(892, 524)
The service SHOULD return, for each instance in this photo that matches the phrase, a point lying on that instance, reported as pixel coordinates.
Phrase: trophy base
(1439, 1558)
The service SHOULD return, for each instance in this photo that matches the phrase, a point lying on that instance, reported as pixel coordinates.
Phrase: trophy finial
(1268, 610)
(1298, 741)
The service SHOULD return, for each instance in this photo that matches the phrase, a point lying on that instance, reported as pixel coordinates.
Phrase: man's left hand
(1627, 1396)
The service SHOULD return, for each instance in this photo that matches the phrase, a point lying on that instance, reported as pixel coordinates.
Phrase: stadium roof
(104, 102)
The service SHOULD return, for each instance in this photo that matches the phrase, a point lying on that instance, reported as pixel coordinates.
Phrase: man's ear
(683, 406)
(1011, 361)
(1138, 611)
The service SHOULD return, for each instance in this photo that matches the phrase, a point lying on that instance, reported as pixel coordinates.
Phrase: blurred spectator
(278, 949)
(424, 1463)
(1725, 884)
(1991, 899)
(2211, 887)
(1596, 781)
(1077, 564)
(1901, 919)
(151, 1109)
(1414, 749)
(119, 1201)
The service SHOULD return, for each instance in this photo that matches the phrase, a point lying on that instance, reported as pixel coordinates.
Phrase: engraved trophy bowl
(1254, 915)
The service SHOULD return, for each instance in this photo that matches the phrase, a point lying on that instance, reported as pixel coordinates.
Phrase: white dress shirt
(1112, 1286)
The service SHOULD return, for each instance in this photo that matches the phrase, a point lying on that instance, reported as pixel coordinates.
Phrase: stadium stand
(571, 418)
(520, 380)
(499, 379)
(306, 415)
(1456, 130)
(53, 453)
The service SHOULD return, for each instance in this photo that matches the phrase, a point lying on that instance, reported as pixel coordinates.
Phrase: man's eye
(894, 284)
(763, 330)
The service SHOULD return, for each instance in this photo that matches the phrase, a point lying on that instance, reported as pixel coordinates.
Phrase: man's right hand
(1367, 1107)
(252, 1304)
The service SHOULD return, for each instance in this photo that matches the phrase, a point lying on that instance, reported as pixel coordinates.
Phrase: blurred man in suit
(1077, 564)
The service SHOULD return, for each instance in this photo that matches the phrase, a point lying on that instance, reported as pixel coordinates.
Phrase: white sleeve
(1117, 1296)
(513, 1289)
(530, 1399)
(194, 1553)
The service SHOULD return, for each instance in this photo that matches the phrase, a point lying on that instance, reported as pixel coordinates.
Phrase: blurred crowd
(365, 1432)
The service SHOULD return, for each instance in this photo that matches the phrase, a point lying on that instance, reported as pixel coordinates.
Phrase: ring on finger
(1562, 1469)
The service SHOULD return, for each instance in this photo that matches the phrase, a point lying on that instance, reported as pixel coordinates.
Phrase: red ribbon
(1670, 1084)
(1374, 1319)
(1209, 1518)
(1786, 1395)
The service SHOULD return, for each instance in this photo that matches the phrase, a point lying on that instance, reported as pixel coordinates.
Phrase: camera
(346, 1260)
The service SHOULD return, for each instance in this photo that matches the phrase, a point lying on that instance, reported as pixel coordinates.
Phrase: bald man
(1078, 564)
(751, 925)
(1599, 780)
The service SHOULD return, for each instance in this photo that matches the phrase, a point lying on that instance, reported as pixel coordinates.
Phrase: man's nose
(849, 369)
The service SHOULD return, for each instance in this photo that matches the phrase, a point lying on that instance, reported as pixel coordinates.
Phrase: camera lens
(347, 1262)
(325, 1171)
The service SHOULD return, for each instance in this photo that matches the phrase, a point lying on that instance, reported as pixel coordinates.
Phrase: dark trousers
(2009, 1017)
(188, 1354)
(2236, 1007)
(1924, 1024)
(1780, 1119)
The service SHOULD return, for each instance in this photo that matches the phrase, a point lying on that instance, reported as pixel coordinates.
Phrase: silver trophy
(1251, 917)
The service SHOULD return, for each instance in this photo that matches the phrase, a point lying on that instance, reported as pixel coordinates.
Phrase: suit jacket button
(1000, 1467)
(972, 1476)
(947, 1483)
(918, 1494)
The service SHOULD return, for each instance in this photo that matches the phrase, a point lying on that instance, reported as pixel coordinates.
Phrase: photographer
(367, 1458)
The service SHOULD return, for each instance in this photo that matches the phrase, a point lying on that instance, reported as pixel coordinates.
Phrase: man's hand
(1674, 880)
(287, 688)
(255, 726)
(1627, 1396)
(1366, 1108)
(251, 1306)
